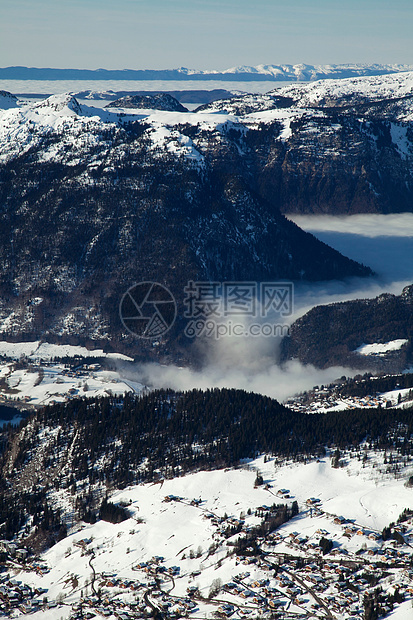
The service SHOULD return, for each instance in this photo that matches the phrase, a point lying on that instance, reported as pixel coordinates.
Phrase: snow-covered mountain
(95, 200)
(354, 91)
(379, 96)
(87, 193)
(304, 72)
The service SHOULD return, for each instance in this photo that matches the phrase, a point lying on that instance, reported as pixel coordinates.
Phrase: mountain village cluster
(316, 565)
(321, 562)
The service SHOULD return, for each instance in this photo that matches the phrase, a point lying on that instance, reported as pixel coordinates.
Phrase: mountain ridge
(94, 200)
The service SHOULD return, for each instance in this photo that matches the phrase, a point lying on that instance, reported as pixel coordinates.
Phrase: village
(328, 398)
(270, 539)
(27, 384)
(316, 564)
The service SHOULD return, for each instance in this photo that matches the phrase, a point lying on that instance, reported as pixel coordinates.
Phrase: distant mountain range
(285, 72)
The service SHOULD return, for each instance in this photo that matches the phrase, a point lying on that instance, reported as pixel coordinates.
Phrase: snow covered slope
(375, 88)
(387, 96)
(377, 348)
(176, 553)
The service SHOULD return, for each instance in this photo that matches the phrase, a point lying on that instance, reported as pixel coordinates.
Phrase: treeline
(46, 523)
(247, 545)
(173, 432)
(112, 513)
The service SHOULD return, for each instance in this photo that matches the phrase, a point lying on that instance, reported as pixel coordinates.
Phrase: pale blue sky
(213, 34)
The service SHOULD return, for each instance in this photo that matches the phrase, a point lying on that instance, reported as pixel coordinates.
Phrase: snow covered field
(36, 380)
(38, 350)
(44, 385)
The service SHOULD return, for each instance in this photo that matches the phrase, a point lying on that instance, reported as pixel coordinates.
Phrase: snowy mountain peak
(65, 103)
(347, 91)
(302, 72)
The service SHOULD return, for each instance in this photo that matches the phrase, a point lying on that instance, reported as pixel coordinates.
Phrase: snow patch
(400, 139)
(378, 348)
(46, 351)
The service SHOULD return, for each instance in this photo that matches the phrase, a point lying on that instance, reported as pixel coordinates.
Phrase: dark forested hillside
(329, 335)
(374, 385)
(86, 445)
(154, 101)
(171, 431)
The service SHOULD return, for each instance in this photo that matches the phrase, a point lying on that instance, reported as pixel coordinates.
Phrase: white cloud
(268, 379)
(365, 224)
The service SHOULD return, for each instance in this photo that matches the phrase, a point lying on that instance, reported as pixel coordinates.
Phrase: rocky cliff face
(343, 146)
(330, 335)
(93, 201)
